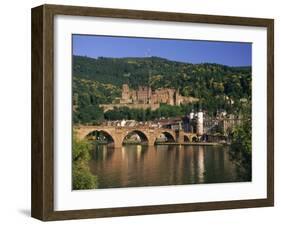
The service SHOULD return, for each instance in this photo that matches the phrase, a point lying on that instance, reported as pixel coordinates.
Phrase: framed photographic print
(141, 112)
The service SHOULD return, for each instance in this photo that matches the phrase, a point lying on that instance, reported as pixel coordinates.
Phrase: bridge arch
(101, 135)
(144, 138)
(190, 137)
(186, 139)
(170, 137)
(194, 139)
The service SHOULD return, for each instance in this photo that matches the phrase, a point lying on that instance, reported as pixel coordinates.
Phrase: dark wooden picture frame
(43, 109)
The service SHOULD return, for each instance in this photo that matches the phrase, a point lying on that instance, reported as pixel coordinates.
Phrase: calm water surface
(137, 165)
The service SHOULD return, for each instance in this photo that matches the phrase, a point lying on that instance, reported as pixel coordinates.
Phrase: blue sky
(227, 53)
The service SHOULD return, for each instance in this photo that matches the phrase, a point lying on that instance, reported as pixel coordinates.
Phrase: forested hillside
(97, 81)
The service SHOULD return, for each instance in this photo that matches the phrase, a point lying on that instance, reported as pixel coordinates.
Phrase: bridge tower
(191, 115)
(200, 119)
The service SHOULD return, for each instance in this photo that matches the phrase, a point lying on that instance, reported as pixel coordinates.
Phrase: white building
(200, 120)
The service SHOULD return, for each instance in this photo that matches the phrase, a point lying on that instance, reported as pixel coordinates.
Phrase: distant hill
(163, 72)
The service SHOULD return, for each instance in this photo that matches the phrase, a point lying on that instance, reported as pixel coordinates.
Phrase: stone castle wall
(144, 98)
(144, 95)
(107, 107)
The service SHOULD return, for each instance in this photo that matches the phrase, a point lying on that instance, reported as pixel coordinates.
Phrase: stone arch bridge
(118, 134)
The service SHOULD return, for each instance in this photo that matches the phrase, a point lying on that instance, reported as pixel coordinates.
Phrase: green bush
(241, 149)
(81, 150)
(82, 178)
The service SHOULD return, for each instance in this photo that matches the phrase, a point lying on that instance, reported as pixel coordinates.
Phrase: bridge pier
(151, 142)
(118, 138)
(180, 138)
(118, 144)
(151, 136)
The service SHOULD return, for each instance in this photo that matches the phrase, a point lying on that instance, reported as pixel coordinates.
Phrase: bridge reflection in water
(137, 165)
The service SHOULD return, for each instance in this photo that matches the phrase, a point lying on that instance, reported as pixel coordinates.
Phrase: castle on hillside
(144, 97)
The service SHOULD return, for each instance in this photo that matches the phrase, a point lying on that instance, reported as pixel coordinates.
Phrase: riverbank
(193, 143)
(184, 144)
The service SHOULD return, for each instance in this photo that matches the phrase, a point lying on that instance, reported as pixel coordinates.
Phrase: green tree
(241, 147)
(90, 114)
(81, 175)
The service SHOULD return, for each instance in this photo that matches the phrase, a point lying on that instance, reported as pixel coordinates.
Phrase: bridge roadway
(149, 134)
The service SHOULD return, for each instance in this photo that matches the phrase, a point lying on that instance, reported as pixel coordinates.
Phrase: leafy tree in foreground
(81, 175)
(241, 148)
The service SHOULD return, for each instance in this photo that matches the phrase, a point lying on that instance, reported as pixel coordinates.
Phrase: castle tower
(171, 97)
(177, 99)
(125, 92)
(149, 92)
(200, 120)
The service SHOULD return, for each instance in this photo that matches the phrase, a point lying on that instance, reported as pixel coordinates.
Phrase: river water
(137, 165)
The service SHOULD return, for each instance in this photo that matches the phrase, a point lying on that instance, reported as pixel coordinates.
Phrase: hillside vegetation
(99, 81)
